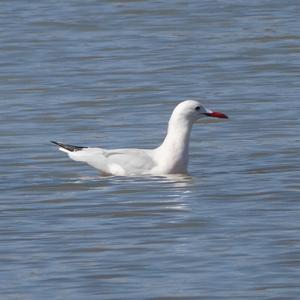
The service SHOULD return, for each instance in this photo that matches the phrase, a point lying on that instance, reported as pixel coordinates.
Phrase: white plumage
(171, 157)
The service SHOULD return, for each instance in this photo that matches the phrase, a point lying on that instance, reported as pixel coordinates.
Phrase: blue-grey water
(108, 73)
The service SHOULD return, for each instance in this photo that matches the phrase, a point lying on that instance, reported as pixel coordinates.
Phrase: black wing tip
(71, 148)
(56, 143)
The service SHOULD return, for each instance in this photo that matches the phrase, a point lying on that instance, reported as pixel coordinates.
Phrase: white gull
(171, 157)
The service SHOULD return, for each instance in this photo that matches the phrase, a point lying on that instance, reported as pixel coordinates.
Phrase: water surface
(109, 73)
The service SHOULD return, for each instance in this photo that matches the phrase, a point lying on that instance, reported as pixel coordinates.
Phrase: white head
(191, 110)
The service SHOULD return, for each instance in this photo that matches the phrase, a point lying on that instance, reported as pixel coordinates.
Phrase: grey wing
(131, 160)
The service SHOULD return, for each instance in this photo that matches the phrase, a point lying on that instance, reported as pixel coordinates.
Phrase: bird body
(171, 157)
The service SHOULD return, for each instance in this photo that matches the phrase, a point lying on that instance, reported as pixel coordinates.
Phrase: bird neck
(175, 146)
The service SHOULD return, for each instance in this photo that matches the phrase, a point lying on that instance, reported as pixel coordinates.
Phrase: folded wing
(117, 162)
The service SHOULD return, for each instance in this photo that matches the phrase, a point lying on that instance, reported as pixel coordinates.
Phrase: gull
(171, 157)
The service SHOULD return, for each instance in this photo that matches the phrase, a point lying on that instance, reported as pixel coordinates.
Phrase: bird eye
(197, 107)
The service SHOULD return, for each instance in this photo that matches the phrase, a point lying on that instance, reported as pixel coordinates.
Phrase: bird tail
(68, 148)
(92, 156)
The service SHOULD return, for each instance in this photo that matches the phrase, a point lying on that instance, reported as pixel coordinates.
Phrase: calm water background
(109, 73)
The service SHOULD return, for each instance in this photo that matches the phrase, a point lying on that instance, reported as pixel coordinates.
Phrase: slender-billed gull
(171, 157)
